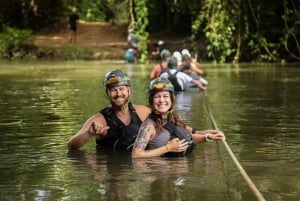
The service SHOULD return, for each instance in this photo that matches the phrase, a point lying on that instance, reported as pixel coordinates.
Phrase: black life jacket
(119, 136)
(181, 133)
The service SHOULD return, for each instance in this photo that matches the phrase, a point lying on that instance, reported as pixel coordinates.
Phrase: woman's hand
(214, 135)
(176, 145)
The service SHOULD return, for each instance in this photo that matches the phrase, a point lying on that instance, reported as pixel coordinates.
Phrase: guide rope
(252, 186)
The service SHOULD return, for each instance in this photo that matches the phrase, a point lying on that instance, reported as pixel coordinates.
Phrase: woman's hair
(172, 116)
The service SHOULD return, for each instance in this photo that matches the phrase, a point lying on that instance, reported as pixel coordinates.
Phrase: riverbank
(99, 40)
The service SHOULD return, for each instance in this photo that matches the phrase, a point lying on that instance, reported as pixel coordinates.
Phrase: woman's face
(162, 102)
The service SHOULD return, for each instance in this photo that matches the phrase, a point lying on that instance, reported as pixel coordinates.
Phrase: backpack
(129, 56)
(181, 133)
(173, 79)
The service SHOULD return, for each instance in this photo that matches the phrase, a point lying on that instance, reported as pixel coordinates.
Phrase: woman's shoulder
(149, 121)
(150, 124)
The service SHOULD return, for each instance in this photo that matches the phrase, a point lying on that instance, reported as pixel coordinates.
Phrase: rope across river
(252, 186)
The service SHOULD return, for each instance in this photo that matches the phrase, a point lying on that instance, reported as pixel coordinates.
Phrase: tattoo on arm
(142, 138)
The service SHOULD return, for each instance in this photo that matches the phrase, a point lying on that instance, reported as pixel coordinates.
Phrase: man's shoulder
(140, 107)
(97, 117)
(172, 71)
(164, 74)
(184, 75)
(142, 111)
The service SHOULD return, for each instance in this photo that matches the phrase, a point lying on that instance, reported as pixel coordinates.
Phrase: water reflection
(120, 178)
(115, 176)
(43, 104)
(190, 105)
(107, 172)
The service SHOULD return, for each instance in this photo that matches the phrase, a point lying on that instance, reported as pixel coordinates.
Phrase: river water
(43, 104)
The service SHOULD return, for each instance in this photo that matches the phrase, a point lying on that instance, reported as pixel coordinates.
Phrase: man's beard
(120, 107)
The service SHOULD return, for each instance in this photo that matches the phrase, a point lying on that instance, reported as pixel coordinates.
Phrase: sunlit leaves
(13, 40)
(141, 11)
(219, 25)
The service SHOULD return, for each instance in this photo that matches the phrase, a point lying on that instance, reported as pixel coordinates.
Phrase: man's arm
(95, 125)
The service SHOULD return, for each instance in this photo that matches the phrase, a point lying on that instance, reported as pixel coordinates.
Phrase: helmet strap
(125, 106)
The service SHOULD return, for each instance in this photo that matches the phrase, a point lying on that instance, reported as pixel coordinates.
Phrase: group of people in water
(181, 69)
(146, 131)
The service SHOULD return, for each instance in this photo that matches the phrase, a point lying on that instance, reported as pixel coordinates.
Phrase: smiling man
(116, 126)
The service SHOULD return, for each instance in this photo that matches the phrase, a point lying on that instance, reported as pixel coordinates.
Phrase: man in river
(115, 126)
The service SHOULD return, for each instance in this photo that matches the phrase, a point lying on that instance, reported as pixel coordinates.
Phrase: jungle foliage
(12, 43)
(219, 30)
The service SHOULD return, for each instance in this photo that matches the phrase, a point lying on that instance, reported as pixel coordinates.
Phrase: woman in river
(163, 132)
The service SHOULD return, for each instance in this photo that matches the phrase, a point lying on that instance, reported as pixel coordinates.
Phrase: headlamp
(161, 84)
(158, 86)
(116, 78)
(113, 80)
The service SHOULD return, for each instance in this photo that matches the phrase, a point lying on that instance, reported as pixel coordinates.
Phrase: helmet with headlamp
(160, 84)
(116, 78)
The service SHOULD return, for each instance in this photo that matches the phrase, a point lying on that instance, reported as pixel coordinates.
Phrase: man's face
(119, 95)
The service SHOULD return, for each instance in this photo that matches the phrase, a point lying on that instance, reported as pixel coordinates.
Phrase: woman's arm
(196, 69)
(198, 84)
(148, 132)
(207, 135)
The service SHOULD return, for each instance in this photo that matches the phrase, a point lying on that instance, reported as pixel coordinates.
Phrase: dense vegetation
(221, 30)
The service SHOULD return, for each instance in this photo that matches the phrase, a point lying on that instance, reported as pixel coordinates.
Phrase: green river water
(42, 104)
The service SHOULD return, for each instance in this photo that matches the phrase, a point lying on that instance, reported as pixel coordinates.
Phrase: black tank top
(119, 136)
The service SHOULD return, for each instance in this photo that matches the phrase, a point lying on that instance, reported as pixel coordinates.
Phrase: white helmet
(186, 51)
(177, 55)
(160, 42)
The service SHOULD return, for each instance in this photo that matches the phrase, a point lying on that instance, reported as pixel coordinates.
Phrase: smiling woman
(163, 132)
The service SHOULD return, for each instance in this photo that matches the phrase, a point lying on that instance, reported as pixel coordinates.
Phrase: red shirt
(157, 70)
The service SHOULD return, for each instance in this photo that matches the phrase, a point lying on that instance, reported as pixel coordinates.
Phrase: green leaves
(219, 25)
(13, 40)
(142, 22)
